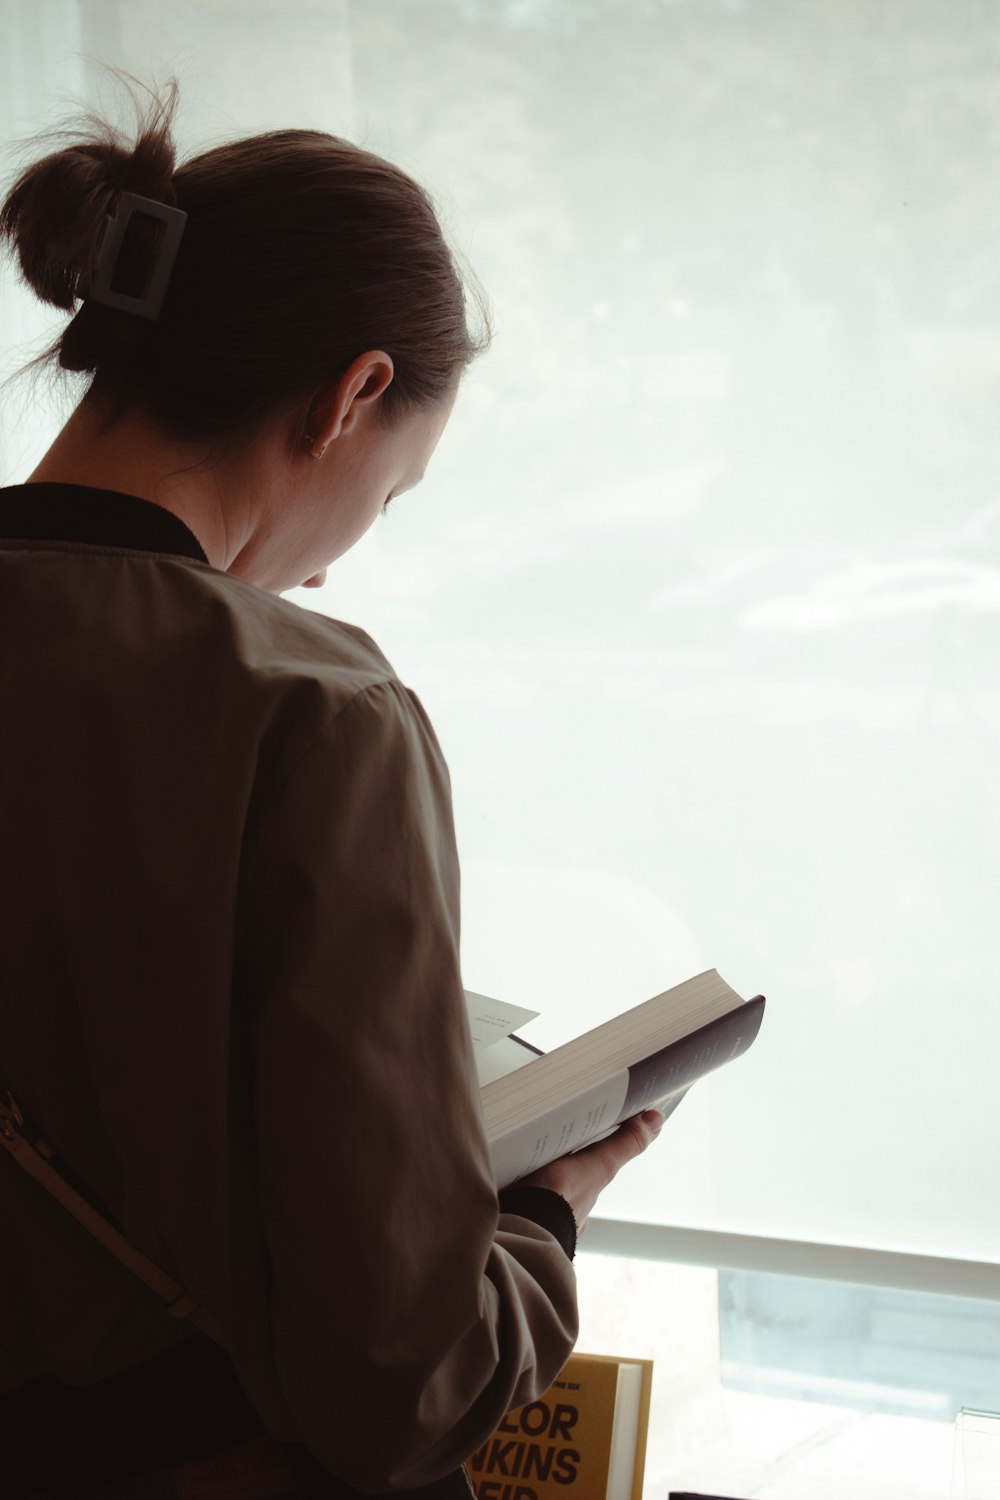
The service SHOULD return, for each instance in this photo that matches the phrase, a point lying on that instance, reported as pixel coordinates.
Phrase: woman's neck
(134, 457)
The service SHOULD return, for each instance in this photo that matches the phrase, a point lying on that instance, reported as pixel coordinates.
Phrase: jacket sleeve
(407, 1314)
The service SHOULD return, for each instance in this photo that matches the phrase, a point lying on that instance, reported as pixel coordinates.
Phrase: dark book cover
(665, 1076)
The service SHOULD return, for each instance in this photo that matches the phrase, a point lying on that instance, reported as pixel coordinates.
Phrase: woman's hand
(582, 1177)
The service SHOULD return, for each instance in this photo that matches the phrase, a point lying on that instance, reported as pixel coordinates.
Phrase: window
(702, 590)
(716, 1429)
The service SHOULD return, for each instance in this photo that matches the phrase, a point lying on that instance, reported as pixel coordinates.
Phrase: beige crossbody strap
(35, 1156)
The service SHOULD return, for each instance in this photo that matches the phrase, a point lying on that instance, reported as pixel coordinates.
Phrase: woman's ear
(338, 407)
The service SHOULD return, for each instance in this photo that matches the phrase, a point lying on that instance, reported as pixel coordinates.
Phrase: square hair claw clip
(149, 303)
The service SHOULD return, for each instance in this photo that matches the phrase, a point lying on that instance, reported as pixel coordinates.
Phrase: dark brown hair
(301, 251)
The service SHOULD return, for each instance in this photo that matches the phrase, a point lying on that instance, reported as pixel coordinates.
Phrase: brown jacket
(230, 996)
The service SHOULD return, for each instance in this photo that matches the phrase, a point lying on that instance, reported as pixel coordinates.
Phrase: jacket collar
(102, 518)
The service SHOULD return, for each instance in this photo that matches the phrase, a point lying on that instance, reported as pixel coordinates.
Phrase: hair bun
(55, 215)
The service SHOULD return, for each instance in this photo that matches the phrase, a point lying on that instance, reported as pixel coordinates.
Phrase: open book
(537, 1107)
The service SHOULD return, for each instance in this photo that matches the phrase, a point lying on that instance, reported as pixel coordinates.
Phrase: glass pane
(702, 588)
(709, 1437)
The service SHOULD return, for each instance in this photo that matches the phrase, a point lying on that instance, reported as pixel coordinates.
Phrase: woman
(230, 992)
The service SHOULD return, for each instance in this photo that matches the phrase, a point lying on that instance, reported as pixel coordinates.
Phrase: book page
(492, 1020)
(558, 1131)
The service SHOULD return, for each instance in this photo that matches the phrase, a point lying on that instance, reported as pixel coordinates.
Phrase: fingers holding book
(581, 1177)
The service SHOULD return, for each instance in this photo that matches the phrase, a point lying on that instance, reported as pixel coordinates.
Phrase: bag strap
(36, 1156)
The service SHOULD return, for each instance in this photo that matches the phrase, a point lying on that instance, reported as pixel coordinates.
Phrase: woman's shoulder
(295, 670)
(272, 635)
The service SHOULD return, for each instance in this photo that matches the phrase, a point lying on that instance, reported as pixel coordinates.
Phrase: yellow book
(584, 1438)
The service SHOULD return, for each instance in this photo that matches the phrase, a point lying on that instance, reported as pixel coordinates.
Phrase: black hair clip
(149, 303)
